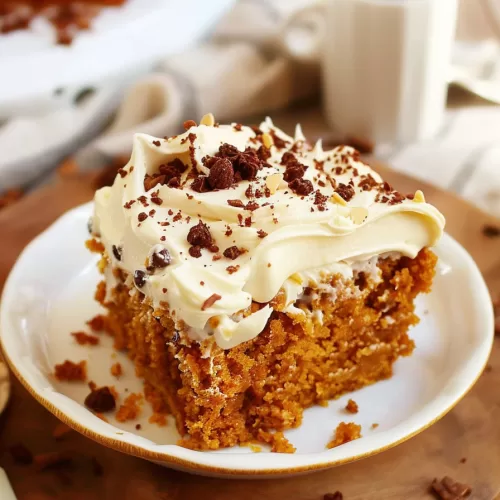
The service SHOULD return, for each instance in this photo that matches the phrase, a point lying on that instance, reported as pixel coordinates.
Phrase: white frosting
(299, 235)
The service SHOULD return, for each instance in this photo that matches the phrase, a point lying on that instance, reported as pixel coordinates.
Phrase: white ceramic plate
(122, 43)
(49, 294)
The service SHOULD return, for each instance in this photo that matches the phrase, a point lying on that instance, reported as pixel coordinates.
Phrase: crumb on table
(449, 489)
(352, 406)
(83, 338)
(116, 370)
(344, 433)
(71, 372)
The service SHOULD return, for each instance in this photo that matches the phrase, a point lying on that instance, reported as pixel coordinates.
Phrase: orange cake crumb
(279, 443)
(116, 370)
(97, 323)
(71, 372)
(352, 406)
(344, 433)
(100, 293)
(374, 426)
(94, 246)
(83, 338)
(131, 408)
(158, 418)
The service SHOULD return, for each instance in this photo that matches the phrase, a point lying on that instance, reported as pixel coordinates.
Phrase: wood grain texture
(470, 431)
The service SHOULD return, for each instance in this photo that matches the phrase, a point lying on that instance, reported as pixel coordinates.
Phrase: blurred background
(414, 82)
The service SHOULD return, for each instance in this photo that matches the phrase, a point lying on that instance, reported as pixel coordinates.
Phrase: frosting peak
(221, 216)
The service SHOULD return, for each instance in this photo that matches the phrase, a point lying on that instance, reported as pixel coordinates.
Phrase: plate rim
(171, 459)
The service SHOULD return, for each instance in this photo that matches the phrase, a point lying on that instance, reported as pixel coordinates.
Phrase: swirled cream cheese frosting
(207, 222)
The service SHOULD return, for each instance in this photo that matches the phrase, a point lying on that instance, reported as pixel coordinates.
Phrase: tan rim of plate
(4, 384)
(167, 459)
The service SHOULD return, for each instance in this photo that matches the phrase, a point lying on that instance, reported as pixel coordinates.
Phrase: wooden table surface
(471, 430)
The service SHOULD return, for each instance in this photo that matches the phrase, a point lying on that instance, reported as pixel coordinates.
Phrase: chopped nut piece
(419, 197)
(208, 120)
(273, 181)
(336, 198)
(267, 140)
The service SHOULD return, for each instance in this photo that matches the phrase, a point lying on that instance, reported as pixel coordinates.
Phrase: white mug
(385, 63)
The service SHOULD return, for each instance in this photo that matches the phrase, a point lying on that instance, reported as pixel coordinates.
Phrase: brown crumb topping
(210, 301)
(83, 338)
(71, 372)
(344, 433)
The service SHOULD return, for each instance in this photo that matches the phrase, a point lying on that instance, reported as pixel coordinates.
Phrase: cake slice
(250, 275)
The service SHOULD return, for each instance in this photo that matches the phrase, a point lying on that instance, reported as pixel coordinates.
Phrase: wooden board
(471, 430)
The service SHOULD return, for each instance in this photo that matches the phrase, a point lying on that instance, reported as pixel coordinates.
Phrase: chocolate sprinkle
(117, 252)
(139, 278)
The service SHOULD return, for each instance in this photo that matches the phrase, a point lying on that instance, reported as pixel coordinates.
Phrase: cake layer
(341, 334)
(217, 219)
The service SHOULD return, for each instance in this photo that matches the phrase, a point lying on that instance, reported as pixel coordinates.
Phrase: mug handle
(301, 44)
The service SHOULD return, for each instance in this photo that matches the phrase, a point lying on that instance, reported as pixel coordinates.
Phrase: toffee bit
(129, 204)
(210, 301)
(156, 143)
(232, 269)
(122, 172)
(261, 233)
(248, 221)
(252, 205)
(156, 200)
(142, 216)
(229, 231)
